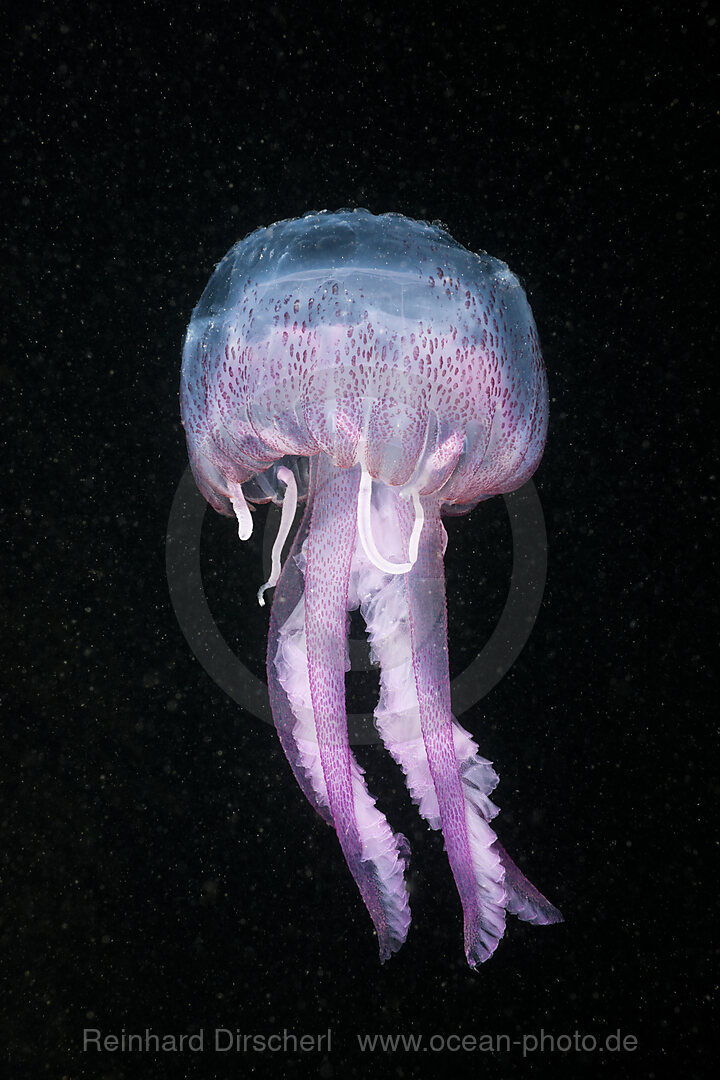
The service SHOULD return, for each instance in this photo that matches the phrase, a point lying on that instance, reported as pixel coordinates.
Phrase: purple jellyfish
(373, 368)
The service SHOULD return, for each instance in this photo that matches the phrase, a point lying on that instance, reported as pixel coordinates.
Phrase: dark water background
(160, 868)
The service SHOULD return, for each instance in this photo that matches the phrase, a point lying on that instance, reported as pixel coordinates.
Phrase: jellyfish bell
(316, 312)
(375, 370)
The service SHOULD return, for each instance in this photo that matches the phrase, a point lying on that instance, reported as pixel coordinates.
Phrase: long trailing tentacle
(307, 660)
(287, 599)
(386, 611)
(287, 517)
(476, 868)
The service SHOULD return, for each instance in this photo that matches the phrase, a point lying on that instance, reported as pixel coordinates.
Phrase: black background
(160, 867)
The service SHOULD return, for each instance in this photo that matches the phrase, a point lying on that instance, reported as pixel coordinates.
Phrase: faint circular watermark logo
(226, 669)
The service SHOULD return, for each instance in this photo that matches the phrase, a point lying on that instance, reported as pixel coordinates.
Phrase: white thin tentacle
(289, 507)
(366, 536)
(242, 512)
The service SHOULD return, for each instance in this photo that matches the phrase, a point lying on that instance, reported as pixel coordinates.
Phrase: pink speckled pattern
(376, 345)
(329, 552)
(434, 365)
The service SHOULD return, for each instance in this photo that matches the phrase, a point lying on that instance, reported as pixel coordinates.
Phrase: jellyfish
(372, 369)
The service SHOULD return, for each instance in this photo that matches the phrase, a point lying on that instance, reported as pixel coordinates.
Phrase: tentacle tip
(482, 949)
(389, 948)
(391, 940)
(385, 949)
(477, 956)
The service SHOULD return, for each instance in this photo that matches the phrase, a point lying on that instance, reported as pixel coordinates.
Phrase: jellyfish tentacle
(414, 542)
(287, 516)
(364, 527)
(397, 715)
(284, 682)
(307, 679)
(387, 853)
(242, 511)
(476, 867)
(385, 609)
